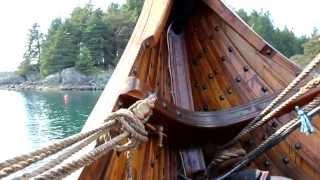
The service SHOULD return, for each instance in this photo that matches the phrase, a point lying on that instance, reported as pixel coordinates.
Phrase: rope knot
(132, 121)
(306, 126)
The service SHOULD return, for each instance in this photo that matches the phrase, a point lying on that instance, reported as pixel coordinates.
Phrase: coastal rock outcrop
(67, 79)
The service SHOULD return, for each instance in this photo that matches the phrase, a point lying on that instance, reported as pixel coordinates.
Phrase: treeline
(299, 49)
(88, 40)
(92, 39)
(283, 40)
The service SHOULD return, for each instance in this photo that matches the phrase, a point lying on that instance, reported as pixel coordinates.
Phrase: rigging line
(306, 71)
(273, 140)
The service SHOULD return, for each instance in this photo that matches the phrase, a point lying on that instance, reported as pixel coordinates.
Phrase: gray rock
(100, 80)
(71, 77)
(52, 80)
(33, 76)
(10, 78)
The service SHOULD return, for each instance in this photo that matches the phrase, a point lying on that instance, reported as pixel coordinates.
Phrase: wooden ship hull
(212, 75)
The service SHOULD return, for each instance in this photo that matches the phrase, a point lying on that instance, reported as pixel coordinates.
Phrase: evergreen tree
(60, 50)
(94, 36)
(283, 40)
(32, 54)
(85, 63)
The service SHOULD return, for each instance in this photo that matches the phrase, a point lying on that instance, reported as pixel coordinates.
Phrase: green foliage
(85, 63)
(283, 40)
(310, 49)
(103, 36)
(60, 49)
(32, 54)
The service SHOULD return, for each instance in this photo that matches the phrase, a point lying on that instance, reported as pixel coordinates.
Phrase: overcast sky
(17, 16)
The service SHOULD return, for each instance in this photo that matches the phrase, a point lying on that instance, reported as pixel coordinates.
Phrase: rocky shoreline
(67, 79)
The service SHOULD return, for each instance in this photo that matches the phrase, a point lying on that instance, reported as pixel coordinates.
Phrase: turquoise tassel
(306, 126)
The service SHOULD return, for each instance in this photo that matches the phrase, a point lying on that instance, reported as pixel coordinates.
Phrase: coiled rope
(128, 121)
(252, 125)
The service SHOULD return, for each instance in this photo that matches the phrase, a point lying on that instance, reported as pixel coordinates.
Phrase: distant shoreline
(67, 80)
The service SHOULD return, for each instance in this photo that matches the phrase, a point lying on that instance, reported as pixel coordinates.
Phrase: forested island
(80, 51)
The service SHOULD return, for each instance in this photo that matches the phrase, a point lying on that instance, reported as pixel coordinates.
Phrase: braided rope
(12, 165)
(131, 121)
(58, 160)
(310, 85)
(84, 160)
(226, 155)
(292, 85)
(129, 130)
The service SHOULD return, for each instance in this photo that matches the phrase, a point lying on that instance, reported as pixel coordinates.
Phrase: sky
(17, 16)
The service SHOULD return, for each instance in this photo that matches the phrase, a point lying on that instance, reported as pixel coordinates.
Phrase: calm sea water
(29, 120)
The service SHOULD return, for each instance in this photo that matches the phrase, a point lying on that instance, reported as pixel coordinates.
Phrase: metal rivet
(285, 160)
(194, 62)
(221, 97)
(230, 49)
(245, 68)
(204, 87)
(205, 51)
(264, 137)
(297, 146)
(205, 108)
(238, 79)
(264, 89)
(178, 113)
(210, 76)
(223, 58)
(274, 124)
(229, 91)
(266, 163)
(216, 28)
(164, 105)
(268, 52)
(134, 71)
(147, 44)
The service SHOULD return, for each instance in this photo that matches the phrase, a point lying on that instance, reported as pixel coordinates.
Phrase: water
(31, 119)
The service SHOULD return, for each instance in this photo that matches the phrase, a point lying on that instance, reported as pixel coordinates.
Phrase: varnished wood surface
(225, 74)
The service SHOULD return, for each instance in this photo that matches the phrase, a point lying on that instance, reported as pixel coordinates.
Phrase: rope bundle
(267, 113)
(311, 108)
(127, 123)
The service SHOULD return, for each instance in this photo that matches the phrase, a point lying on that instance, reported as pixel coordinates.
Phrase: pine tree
(33, 50)
(85, 63)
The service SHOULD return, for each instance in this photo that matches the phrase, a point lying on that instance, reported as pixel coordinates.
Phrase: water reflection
(31, 119)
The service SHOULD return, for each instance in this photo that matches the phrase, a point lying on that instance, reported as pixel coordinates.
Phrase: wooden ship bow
(212, 75)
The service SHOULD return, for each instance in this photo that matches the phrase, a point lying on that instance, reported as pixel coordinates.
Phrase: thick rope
(12, 165)
(306, 71)
(58, 160)
(93, 155)
(312, 108)
(226, 155)
(131, 122)
(84, 160)
(310, 85)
